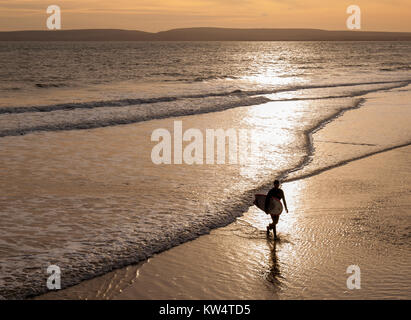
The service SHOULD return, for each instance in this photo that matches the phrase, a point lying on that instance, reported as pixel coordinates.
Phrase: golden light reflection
(294, 192)
(274, 147)
(269, 79)
(288, 222)
(275, 257)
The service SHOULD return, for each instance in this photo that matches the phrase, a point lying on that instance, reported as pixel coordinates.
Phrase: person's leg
(275, 221)
(271, 225)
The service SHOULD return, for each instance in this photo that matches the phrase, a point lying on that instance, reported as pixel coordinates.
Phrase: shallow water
(337, 219)
(92, 200)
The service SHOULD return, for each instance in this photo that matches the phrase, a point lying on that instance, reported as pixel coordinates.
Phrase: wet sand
(357, 214)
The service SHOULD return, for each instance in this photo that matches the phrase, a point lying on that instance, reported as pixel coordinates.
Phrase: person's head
(276, 183)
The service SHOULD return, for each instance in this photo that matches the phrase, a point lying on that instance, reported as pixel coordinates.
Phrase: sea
(78, 188)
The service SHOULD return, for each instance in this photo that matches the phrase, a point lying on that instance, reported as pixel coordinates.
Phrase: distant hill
(77, 35)
(204, 34)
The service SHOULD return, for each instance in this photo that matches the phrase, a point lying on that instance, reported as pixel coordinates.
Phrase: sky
(159, 15)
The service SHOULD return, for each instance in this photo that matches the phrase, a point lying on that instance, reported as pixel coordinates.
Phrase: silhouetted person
(275, 192)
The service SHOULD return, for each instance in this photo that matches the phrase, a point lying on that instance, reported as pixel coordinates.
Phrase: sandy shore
(357, 214)
(354, 214)
(337, 219)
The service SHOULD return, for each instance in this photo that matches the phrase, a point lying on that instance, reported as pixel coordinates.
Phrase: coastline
(319, 239)
(239, 255)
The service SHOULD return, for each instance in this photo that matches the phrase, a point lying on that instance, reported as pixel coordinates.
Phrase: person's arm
(267, 201)
(285, 203)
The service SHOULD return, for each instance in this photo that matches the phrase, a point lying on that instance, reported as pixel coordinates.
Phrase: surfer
(277, 193)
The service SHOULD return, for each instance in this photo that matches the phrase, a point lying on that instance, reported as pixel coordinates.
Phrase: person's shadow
(274, 274)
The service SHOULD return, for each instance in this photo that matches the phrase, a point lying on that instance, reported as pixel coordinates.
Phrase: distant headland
(204, 34)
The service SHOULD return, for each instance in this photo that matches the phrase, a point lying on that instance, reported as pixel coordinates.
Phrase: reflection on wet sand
(274, 275)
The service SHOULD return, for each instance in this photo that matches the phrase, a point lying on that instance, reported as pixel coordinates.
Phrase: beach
(336, 219)
(356, 212)
(253, 154)
(136, 179)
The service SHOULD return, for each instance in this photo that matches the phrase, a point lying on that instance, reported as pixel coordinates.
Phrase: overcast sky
(157, 15)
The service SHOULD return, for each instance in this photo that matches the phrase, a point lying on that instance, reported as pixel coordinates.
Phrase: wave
(12, 89)
(226, 212)
(60, 120)
(309, 138)
(108, 103)
(90, 115)
(209, 78)
(139, 101)
(344, 162)
(50, 85)
(401, 68)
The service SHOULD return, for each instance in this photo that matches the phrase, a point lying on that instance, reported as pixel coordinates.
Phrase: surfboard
(275, 206)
